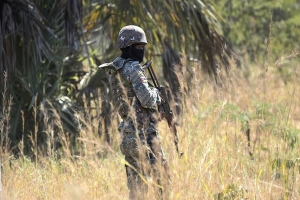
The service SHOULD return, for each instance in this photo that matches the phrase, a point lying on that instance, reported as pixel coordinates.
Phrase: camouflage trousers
(145, 161)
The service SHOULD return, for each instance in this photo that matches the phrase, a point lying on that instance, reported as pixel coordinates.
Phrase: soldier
(136, 102)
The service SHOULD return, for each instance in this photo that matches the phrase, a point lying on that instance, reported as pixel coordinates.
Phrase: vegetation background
(237, 66)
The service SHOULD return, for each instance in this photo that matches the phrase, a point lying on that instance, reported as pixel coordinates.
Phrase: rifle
(168, 113)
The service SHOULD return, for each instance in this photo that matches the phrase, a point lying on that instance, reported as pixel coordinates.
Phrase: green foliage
(286, 169)
(272, 118)
(250, 25)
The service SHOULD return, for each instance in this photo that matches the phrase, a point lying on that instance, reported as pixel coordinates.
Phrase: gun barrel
(153, 77)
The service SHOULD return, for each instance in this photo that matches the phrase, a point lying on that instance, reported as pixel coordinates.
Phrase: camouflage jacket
(142, 97)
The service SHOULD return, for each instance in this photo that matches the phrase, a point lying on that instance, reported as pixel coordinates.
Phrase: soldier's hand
(161, 96)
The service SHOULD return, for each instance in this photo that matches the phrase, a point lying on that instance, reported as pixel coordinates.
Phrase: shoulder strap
(110, 69)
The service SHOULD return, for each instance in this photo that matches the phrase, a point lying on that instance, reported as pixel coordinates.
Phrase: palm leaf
(190, 27)
(37, 36)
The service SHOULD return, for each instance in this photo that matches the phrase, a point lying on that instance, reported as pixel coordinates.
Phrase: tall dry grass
(216, 163)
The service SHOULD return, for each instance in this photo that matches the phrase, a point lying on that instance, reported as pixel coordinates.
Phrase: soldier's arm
(147, 96)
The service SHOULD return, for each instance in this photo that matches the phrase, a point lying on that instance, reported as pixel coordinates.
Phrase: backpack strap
(109, 68)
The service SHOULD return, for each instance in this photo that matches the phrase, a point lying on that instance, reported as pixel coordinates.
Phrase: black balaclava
(133, 53)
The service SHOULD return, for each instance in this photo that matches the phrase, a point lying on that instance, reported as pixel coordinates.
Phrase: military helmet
(129, 35)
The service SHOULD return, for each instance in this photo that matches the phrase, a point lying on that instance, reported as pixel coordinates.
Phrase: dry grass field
(216, 163)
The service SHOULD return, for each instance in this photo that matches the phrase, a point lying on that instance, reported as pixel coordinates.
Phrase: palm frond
(171, 64)
(7, 41)
(73, 16)
(190, 27)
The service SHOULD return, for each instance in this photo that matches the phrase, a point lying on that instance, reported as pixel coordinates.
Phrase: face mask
(137, 54)
(125, 52)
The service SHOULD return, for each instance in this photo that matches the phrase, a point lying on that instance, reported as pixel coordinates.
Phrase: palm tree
(36, 38)
(46, 46)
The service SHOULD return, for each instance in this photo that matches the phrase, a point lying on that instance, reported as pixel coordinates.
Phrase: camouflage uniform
(136, 103)
(140, 143)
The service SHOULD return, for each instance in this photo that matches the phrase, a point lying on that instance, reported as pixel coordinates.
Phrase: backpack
(111, 84)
